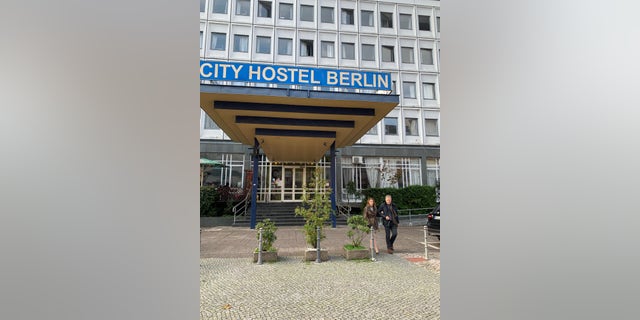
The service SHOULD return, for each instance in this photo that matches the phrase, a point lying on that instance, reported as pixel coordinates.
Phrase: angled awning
(293, 125)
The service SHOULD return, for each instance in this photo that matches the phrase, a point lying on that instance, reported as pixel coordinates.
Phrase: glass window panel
(347, 16)
(264, 9)
(366, 18)
(327, 49)
(306, 13)
(326, 14)
(391, 126)
(286, 11)
(348, 51)
(424, 23)
(386, 20)
(429, 91)
(409, 89)
(431, 127)
(405, 22)
(240, 43)
(243, 7)
(407, 55)
(263, 44)
(306, 48)
(368, 52)
(411, 126)
(285, 46)
(220, 6)
(218, 41)
(426, 56)
(387, 54)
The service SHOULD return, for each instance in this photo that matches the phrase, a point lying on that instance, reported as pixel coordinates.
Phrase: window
(409, 89)
(243, 7)
(220, 6)
(431, 127)
(424, 23)
(391, 126)
(437, 24)
(348, 51)
(218, 41)
(346, 16)
(209, 124)
(286, 11)
(368, 52)
(202, 5)
(326, 14)
(405, 22)
(429, 91)
(386, 20)
(201, 39)
(306, 13)
(387, 54)
(263, 44)
(373, 130)
(240, 43)
(306, 48)
(407, 54)
(393, 86)
(426, 56)
(327, 49)
(411, 126)
(264, 9)
(285, 46)
(366, 18)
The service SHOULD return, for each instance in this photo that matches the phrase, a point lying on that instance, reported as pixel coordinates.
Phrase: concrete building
(398, 38)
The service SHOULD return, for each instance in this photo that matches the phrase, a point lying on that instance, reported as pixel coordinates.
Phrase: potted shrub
(358, 229)
(315, 209)
(269, 252)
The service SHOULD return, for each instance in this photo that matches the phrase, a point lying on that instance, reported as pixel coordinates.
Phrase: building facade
(399, 37)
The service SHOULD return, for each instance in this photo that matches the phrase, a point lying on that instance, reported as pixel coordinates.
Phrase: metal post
(318, 245)
(410, 220)
(426, 246)
(260, 248)
(333, 185)
(254, 184)
(371, 244)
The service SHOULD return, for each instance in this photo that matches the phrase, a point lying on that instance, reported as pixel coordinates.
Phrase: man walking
(389, 213)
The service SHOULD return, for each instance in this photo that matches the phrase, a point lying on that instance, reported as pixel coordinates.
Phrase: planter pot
(356, 254)
(312, 254)
(267, 256)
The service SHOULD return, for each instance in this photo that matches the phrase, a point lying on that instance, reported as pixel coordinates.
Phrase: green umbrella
(207, 162)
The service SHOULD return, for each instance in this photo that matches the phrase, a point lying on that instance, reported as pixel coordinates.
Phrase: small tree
(268, 234)
(357, 230)
(315, 208)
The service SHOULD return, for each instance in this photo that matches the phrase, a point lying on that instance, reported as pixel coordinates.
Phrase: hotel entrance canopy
(293, 125)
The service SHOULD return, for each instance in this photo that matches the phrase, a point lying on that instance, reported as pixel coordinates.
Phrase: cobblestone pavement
(399, 286)
(389, 288)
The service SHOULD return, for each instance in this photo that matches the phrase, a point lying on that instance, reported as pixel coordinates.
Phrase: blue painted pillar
(333, 185)
(254, 184)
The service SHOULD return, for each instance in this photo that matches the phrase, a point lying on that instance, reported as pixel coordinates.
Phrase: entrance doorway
(284, 182)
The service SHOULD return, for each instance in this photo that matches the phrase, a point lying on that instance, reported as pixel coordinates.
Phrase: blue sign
(251, 72)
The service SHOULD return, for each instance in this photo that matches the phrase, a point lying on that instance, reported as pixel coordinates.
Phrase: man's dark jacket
(390, 211)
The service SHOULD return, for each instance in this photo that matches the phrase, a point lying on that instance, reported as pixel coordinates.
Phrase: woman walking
(371, 216)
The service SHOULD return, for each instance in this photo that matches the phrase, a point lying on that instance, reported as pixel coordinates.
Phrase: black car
(433, 222)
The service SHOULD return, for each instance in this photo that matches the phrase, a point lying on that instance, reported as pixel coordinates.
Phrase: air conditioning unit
(357, 159)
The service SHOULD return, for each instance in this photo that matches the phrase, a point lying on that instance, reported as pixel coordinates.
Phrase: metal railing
(414, 214)
(240, 209)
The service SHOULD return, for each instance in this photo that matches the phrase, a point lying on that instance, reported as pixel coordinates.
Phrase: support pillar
(254, 184)
(333, 185)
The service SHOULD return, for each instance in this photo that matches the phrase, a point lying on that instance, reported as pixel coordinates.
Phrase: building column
(333, 185)
(254, 184)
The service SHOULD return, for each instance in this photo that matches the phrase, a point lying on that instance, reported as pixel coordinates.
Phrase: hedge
(411, 197)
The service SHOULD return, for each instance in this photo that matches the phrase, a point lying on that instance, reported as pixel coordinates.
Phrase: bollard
(426, 247)
(371, 245)
(318, 245)
(260, 248)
